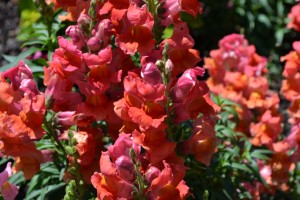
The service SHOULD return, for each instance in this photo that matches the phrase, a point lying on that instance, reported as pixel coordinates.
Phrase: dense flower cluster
(118, 173)
(125, 111)
(290, 91)
(117, 70)
(22, 109)
(238, 73)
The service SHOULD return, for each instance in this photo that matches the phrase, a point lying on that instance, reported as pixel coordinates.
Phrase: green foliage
(47, 184)
(14, 60)
(232, 165)
(38, 34)
(29, 15)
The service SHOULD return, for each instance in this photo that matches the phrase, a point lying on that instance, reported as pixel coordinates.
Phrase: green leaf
(18, 58)
(32, 195)
(5, 160)
(280, 9)
(53, 188)
(17, 178)
(279, 35)
(9, 58)
(265, 20)
(242, 167)
(263, 154)
(32, 184)
(168, 32)
(228, 132)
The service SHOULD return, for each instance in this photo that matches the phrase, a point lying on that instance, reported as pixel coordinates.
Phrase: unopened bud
(160, 64)
(104, 31)
(169, 66)
(84, 22)
(65, 118)
(94, 44)
(166, 49)
(152, 173)
(69, 150)
(76, 35)
(125, 168)
(84, 19)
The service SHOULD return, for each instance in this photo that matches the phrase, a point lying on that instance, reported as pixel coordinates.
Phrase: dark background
(9, 22)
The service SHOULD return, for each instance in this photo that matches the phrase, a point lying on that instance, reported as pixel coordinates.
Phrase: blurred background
(9, 26)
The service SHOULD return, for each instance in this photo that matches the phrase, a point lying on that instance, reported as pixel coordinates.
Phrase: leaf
(32, 42)
(280, 9)
(228, 132)
(18, 58)
(17, 178)
(262, 154)
(255, 171)
(231, 110)
(33, 194)
(32, 184)
(9, 58)
(5, 160)
(44, 144)
(53, 188)
(168, 32)
(241, 167)
(265, 20)
(279, 34)
(51, 170)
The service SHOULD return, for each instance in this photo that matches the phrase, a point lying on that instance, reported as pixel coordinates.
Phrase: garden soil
(9, 22)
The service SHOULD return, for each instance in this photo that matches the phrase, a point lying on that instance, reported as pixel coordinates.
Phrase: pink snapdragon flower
(9, 191)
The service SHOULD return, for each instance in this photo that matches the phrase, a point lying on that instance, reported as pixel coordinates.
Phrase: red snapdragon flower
(21, 116)
(294, 18)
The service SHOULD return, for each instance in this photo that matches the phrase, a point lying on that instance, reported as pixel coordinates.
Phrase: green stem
(139, 191)
(74, 170)
(52, 133)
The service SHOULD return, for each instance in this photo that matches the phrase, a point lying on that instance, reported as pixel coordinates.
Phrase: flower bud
(160, 64)
(84, 21)
(76, 35)
(151, 74)
(65, 118)
(94, 44)
(152, 173)
(125, 168)
(169, 66)
(104, 29)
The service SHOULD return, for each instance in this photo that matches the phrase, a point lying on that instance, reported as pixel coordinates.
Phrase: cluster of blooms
(286, 151)
(92, 82)
(21, 116)
(118, 173)
(238, 73)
